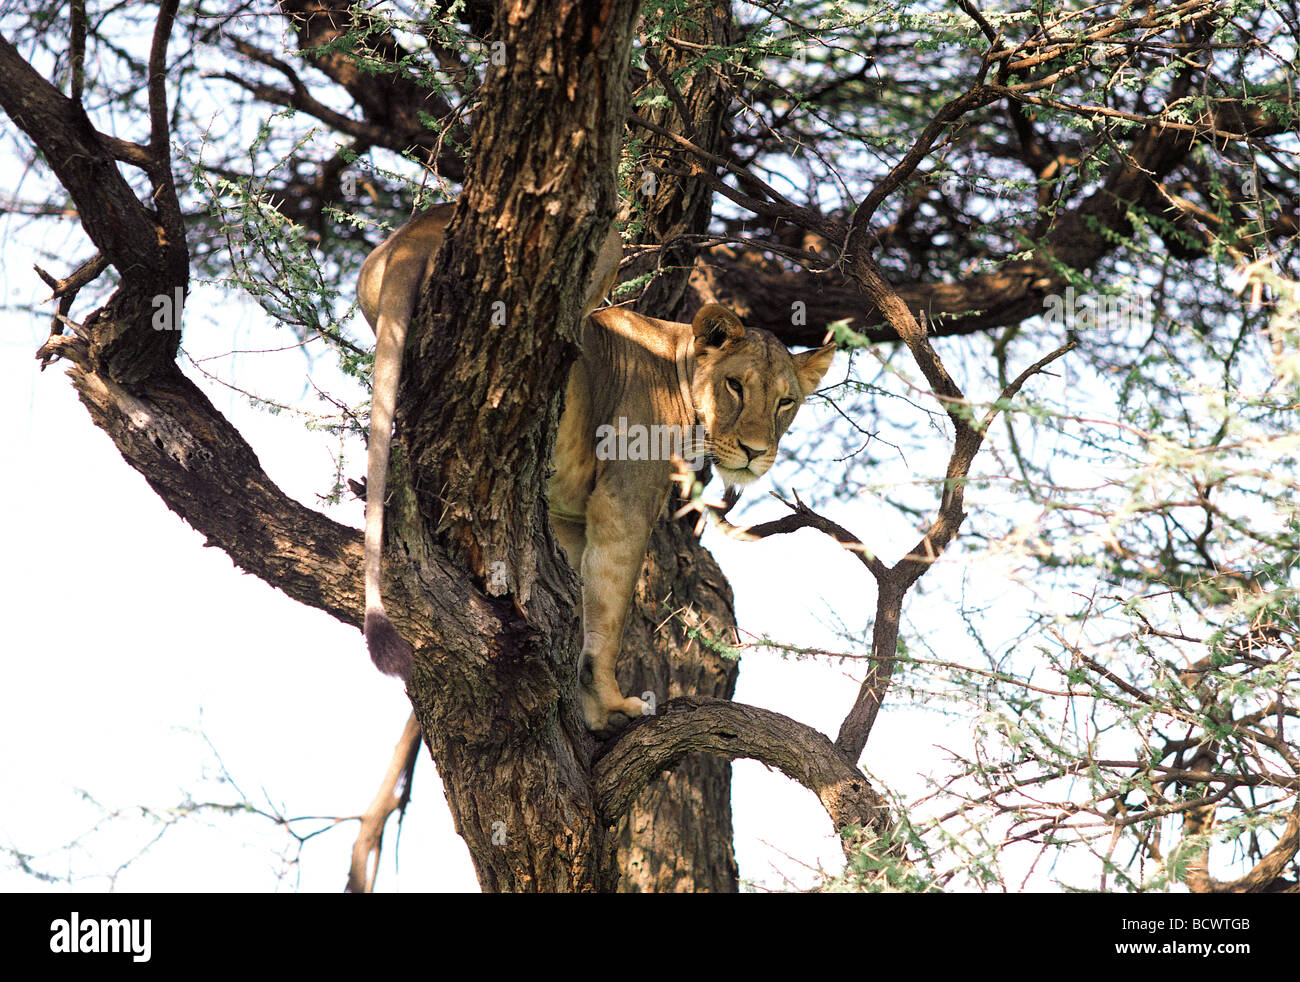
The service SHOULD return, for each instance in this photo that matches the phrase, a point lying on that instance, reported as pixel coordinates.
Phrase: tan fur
(741, 385)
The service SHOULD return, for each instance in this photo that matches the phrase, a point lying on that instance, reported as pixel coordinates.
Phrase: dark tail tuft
(388, 651)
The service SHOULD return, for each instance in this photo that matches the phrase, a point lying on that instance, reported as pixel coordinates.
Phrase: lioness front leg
(617, 537)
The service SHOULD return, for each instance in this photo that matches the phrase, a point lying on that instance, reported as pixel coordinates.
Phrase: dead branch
(394, 795)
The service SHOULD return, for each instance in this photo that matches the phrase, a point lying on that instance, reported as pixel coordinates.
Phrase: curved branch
(299, 97)
(734, 730)
(1265, 876)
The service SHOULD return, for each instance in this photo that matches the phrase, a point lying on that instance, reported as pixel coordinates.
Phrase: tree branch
(160, 150)
(394, 795)
(112, 215)
(733, 730)
(392, 101)
(148, 250)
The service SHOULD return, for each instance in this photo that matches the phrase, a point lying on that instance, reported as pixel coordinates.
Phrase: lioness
(711, 386)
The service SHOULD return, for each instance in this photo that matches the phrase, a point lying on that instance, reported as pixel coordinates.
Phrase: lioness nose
(751, 452)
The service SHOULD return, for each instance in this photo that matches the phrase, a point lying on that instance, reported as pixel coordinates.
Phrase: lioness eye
(734, 385)
(784, 404)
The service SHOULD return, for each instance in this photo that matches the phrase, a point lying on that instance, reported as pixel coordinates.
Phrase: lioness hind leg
(601, 696)
(617, 537)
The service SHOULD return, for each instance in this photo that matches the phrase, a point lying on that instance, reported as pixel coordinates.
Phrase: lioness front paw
(607, 718)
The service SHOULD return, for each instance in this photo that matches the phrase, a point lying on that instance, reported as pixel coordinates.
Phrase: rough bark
(496, 700)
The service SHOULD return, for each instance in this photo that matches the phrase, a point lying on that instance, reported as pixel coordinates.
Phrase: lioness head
(747, 388)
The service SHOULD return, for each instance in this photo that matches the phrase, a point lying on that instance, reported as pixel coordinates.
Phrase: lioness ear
(714, 325)
(810, 366)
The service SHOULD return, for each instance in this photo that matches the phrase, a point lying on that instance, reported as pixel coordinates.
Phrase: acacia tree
(957, 173)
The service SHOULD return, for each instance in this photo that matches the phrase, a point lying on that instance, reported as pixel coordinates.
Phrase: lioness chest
(624, 416)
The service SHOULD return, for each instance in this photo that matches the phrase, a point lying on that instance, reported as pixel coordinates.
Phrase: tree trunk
(496, 694)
